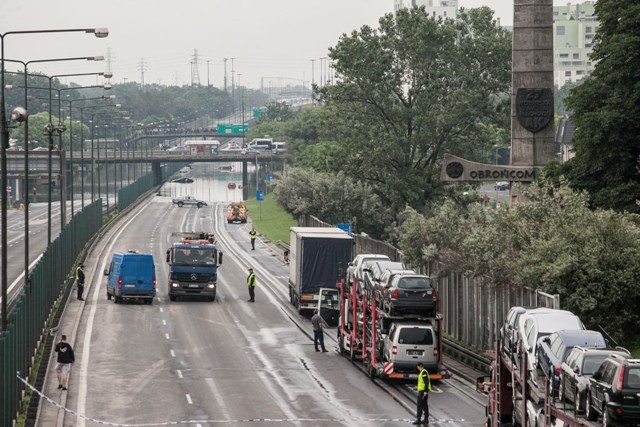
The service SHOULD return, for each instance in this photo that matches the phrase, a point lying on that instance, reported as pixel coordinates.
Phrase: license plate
(415, 352)
(129, 286)
(193, 286)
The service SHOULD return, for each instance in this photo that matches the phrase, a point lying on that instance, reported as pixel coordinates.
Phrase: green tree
(412, 90)
(606, 108)
(277, 112)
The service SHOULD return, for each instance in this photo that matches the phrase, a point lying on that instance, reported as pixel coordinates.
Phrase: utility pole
(313, 73)
(142, 67)
(208, 82)
(225, 73)
(233, 88)
(195, 74)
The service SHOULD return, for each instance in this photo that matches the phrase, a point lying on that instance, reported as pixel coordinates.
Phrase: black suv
(613, 391)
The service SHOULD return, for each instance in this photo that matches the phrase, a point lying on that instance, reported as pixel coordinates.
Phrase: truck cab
(193, 266)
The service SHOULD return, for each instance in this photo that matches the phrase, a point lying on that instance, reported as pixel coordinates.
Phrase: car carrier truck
(317, 256)
(193, 265)
(390, 347)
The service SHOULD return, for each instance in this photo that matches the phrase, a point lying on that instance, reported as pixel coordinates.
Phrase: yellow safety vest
(251, 280)
(77, 271)
(421, 377)
(252, 234)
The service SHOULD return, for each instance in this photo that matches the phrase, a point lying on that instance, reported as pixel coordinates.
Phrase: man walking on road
(251, 283)
(423, 395)
(65, 359)
(80, 281)
(318, 330)
(253, 233)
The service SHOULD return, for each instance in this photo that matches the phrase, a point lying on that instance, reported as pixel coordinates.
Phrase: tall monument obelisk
(532, 128)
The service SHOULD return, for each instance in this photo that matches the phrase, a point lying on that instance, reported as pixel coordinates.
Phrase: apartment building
(574, 27)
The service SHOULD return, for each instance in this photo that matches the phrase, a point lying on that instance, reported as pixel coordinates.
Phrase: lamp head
(99, 32)
(19, 115)
(95, 58)
(107, 75)
(107, 87)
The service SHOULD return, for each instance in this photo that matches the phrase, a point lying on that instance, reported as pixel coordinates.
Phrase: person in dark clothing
(318, 330)
(253, 235)
(80, 281)
(65, 359)
(251, 284)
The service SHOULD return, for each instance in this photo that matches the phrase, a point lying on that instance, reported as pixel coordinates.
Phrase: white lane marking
(161, 310)
(218, 397)
(86, 345)
(164, 322)
(189, 400)
(173, 353)
(180, 374)
(166, 336)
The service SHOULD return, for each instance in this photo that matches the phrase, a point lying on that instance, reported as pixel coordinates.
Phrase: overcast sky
(267, 38)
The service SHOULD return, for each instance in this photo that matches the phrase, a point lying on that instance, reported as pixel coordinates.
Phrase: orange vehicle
(236, 212)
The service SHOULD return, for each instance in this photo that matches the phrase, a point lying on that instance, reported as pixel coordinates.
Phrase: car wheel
(199, 205)
(589, 411)
(550, 386)
(180, 204)
(561, 390)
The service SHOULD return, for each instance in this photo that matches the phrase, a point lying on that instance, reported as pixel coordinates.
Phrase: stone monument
(532, 128)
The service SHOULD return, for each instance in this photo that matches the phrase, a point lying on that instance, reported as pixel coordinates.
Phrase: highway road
(227, 362)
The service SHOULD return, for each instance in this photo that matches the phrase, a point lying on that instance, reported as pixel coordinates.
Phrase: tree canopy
(605, 110)
(413, 89)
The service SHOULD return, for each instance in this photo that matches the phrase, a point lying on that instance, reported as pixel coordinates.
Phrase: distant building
(574, 27)
(564, 139)
(435, 8)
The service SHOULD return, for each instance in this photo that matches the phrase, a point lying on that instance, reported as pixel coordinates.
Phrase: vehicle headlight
(175, 284)
(211, 285)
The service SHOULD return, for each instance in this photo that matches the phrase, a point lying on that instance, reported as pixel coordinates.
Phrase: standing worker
(423, 395)
(251, 283)
(80, 281)
(252, 233)
(318, 330)
(65, 359)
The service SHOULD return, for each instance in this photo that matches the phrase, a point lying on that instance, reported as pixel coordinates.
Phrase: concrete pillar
(532, 129)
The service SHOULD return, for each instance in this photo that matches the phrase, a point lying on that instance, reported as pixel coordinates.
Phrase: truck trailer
(318, 257)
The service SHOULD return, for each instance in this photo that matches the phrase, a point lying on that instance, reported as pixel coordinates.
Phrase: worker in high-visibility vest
(251, 283)
(253, 235)
(424, 387)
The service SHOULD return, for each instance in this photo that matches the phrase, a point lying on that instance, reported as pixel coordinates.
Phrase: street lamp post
(4, 143)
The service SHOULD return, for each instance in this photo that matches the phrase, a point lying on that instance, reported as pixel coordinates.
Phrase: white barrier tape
(247, 420)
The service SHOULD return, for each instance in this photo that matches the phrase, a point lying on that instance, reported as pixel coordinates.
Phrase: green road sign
(233, 128)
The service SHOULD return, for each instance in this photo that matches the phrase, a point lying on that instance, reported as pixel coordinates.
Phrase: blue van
(131, 275)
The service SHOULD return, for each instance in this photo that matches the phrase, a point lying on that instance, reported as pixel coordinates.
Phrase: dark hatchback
(410, 294)
(614, 391)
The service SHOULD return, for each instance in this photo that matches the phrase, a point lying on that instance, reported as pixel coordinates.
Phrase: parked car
(410, 294)
(502, 186)
(410, 343)
(508, 331)
(613, 392)
(576, 370)
(372, 272)
(178, 149)
(553, 348)
(355, 267)
(183, 180)
(541, 322)
(250, 150)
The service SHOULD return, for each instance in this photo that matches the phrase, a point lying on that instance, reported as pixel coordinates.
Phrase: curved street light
(4, 143)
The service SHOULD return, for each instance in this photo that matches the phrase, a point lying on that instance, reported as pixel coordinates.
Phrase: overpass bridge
(90, 163)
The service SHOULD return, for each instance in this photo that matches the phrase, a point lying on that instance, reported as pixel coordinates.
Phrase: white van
(278, 148)
(260, 144)
(410, 343)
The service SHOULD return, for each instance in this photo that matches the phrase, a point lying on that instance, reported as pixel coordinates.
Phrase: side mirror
(576, 370)
(168, 256)
(106, 272)
(546, 339)
(596, 375)
(219, 258)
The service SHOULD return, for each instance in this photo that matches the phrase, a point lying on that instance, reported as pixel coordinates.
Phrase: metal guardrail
(467, 356)
(283, 244)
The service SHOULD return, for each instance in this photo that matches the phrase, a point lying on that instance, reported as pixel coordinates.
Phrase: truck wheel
(229, 221)
(172, 297)
(211, 299)
(199, 205)
(371, 370)
(180, 204)
(352, 354)
(108, 296)
(149, 301)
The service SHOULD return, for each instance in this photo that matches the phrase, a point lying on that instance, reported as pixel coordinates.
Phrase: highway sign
(345, 227)
(232, 128)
